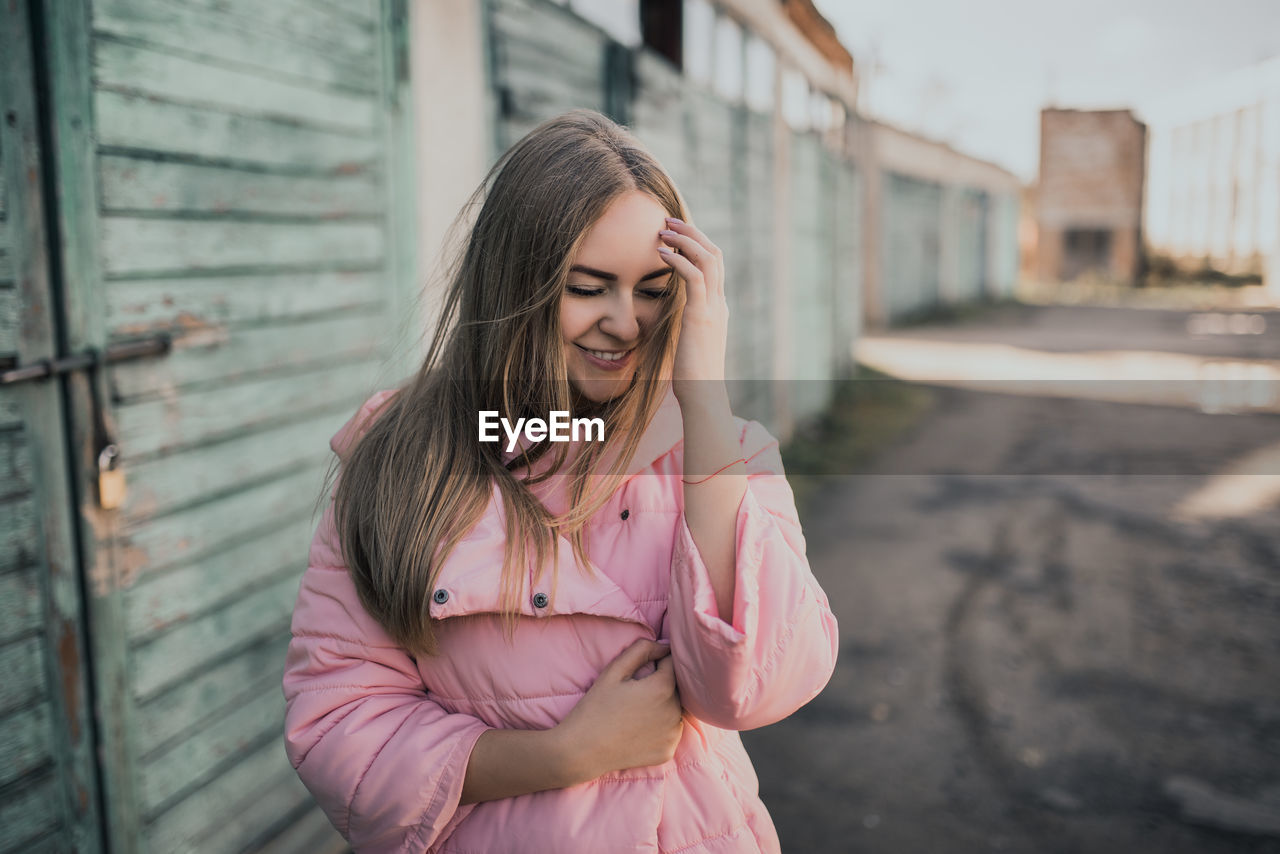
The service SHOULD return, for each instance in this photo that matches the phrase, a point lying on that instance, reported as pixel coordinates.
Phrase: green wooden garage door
(231, 173)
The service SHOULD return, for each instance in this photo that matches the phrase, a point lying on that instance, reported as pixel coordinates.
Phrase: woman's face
(614, 296)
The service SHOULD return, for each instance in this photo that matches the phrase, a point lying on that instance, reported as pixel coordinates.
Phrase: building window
(727, 56)
(661, 27)
(699, 26)
(760, 71)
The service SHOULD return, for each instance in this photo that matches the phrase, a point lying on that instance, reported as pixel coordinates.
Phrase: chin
(601, 390)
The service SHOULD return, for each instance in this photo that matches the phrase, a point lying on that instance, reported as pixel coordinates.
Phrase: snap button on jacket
(382, 739)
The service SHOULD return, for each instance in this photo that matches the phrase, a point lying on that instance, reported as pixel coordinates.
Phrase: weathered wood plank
(537, 53)
(22, 676)
(158, 603)
(364, 11)
(208, 694)
(18, 533)
(131, 121)
(195, 645)
(264, 769)
(137, 184)
(6, 253)
(138, 306)
(305, 23)
(24, 742)
(239, 40)
(31, 812)
(131, 69)
(162, 485)
(20, 607)
(263, 811)
(537, 99)
(189, 761)
(10, 412)
(178, 537)
(197, 416)
(133, 246)
(234, 354)
(547, 29)
(15, 464)
(310, 834)
(9, 320)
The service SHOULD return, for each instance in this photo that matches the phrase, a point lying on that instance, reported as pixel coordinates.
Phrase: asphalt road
(1059, 615)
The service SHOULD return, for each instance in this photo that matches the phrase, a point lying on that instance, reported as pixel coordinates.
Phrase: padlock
(111, 489)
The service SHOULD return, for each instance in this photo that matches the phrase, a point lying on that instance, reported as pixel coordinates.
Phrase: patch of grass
(867, 413)
(957, 312)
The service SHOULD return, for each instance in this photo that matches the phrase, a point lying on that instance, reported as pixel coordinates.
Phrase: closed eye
(584, 291)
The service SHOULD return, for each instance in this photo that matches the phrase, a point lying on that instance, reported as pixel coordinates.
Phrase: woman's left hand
(704, 329)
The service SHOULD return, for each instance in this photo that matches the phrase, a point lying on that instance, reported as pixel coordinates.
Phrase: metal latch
(111, 485)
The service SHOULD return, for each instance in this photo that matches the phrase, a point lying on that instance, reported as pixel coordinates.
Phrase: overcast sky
(975, 73)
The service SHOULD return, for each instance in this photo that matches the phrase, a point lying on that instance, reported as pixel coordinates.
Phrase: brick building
(1089, 198)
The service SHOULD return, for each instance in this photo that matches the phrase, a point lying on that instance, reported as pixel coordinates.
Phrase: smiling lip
(605, 365)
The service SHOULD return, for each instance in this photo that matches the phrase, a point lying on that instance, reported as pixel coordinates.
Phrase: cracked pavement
(1055, 635)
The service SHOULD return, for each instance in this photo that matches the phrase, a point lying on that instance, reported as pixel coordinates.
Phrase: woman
(538, 646)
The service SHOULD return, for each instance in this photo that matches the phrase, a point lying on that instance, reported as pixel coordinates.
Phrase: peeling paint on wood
(130, 69)
(134, 245)
(137, 306)
(132, 184)
(136, 122)
(307, 50)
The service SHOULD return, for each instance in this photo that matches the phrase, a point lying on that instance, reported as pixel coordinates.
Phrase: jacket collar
(472, 573)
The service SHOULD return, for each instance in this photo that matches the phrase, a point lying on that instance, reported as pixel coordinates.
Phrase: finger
(708, 263)
(697, 285)
(694, 232)
(633, 657)
(666, 670)
(704, 254)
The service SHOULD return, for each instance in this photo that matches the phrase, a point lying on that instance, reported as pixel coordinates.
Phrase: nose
(620, 320)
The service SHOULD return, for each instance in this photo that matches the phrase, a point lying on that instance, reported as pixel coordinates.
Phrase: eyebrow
(610, 277)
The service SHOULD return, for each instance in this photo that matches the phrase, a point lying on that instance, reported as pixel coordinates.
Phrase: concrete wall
(1214, 177)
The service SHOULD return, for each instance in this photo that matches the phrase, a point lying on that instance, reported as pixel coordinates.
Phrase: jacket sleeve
(384, 761)
(781, 648)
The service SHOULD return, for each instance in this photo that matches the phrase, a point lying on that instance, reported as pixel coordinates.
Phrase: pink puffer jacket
(382, 739)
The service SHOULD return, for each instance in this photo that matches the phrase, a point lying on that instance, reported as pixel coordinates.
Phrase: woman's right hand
(622, 721)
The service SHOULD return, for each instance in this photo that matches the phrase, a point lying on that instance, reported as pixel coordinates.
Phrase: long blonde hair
(418, 480)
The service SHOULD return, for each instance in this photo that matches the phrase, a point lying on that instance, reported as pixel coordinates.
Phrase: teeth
(608, 357)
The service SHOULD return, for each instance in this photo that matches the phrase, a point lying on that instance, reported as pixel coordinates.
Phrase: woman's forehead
(627, 231)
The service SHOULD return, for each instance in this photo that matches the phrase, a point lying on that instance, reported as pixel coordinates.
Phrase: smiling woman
(470, 671)
(608, 312)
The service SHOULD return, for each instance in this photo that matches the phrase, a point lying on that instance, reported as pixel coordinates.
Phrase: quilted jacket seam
(323, 733)
(365, 772)
(691, 845)
(431, 801)
(766, 667)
